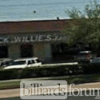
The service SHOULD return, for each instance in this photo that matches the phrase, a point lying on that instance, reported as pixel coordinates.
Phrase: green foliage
(86, 29)
(37, 72)
(91, 68)
(91, 10)
(49, 71)
(8, 74)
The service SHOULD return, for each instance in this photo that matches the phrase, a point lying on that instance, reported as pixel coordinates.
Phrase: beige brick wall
(42, 51)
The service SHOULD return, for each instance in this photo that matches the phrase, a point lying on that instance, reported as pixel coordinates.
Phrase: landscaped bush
(91, 68)
(8, 74)
(49, 71)
(36, 72)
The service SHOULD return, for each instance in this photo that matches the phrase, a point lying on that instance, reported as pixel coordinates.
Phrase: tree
(86, 29)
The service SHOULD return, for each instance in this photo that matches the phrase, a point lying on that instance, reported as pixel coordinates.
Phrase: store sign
(29, 38)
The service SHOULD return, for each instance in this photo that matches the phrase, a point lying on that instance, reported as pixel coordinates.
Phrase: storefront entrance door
(3, 51)
(26, 50)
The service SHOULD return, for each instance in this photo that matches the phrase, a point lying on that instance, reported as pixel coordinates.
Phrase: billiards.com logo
(43, 89)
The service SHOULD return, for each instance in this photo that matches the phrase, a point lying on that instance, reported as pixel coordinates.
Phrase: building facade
(30, 38)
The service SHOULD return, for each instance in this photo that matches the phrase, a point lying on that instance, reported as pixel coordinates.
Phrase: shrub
(8, 74)
(91, 68)
(49, 71)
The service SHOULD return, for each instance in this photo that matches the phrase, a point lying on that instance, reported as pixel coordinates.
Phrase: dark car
(85, 56)
(95, 60)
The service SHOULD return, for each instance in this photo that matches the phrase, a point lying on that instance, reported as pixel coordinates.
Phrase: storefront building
(30, 38)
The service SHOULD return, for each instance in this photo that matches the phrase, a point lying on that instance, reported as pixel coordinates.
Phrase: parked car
(5, 62)
(23, 63)
(95, 60)
(85, 56)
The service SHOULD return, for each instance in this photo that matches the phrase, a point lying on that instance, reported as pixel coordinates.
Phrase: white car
(23, 63)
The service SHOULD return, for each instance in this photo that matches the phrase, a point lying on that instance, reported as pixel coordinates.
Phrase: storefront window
(26, 50)
(3, 52)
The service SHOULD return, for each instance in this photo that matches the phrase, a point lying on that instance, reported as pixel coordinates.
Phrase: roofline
(35, 20)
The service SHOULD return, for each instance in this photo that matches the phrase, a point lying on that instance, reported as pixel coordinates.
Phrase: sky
(19, 10)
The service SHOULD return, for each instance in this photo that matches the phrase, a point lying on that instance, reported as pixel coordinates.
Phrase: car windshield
(17, 63)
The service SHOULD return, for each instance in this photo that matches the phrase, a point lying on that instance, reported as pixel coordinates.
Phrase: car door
(31, 63)
(38, 62)
(34, 63)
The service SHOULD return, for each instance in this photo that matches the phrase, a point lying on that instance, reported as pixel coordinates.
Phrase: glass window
(38, 60)
(29, 62)
(18, 63)
(33, 61)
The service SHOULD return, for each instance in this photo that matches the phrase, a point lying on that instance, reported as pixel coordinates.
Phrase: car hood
(15, 66)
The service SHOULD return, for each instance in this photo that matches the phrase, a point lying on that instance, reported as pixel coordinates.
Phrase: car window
(17, 62)
(38, 60)
(31, 62)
